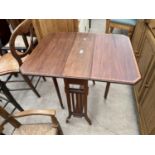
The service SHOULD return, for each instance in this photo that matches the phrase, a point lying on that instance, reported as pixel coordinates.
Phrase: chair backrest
(45, 26)
(24, 28)
(124, 24)
(14, 23)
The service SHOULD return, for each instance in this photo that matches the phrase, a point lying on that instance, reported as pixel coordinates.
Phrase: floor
(114, 116)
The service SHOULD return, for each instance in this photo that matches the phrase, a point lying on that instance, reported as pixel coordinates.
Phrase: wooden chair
(31, 129)
(10, 66)
(124, 24)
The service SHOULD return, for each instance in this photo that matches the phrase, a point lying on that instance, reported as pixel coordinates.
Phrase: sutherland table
(81, 57)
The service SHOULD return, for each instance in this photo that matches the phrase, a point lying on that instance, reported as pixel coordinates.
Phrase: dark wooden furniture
(10, 65)
(90, 22)
(76, 93)
(144, 47)
(31, 129)
(84, 56)
(124, 24)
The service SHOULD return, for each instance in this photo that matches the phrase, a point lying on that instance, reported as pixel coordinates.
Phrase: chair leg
(10, 97)
(44, 78)
(93, 82)
(55, 121)
(111, 29)
(58, 91)
(130, 34)
(15, 74)
(107, 26)
(27, 80)
(7, 118)
(60, 132)
(106, 90)
(89, 23)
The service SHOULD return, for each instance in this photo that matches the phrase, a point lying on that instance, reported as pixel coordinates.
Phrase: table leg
(107, 90)
(89, 23)
(76, 94)
(58, 91)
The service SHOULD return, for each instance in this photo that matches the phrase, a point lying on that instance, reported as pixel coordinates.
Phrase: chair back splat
(25, 28)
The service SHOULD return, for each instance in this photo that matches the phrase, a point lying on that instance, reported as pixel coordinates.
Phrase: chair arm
(46, 112)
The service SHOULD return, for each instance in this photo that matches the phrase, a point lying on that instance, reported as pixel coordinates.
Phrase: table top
(101, 57)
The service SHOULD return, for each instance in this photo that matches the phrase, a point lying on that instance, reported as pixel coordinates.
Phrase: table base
(76, 93)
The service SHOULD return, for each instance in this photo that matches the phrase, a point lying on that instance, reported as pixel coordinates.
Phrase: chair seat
(125, 21)
(8, 64)
(35, 129)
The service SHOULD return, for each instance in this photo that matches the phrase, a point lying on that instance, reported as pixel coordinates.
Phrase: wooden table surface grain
(101, 57)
